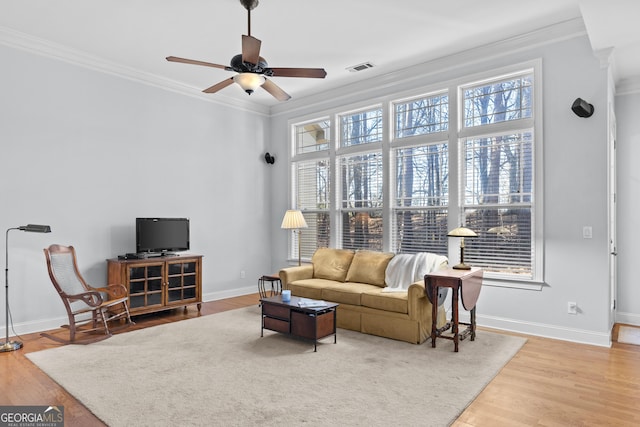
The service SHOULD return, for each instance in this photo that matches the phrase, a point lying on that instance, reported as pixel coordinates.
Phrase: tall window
(361, 208)
(421, 197)
(361, 179)
(384, 184)
(497, 175)
(312, 174)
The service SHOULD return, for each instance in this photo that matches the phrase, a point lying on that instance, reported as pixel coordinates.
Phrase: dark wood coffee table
(311, 323)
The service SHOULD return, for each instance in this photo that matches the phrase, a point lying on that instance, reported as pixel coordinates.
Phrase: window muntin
(317, 235)
(312, 195)
(312, 177)
(362, 180)
(362, 229)
(361, 204)
(312, 137)
(498, 169)
(494, 117)
(422, 176)
(363, 127)
(504, 244)
(420, 214)
(498, 101)
(422, 116)
(420, 230)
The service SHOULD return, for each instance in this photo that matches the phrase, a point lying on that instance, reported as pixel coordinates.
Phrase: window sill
(513, 284)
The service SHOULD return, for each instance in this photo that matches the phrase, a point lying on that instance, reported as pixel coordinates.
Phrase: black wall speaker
(582, 108)
(269, 159)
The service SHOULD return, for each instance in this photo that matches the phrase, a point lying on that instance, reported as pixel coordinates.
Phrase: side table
(276, 285)
(464, 283)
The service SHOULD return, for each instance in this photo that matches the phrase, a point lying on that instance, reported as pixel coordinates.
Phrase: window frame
(535, 124)
(453, 136)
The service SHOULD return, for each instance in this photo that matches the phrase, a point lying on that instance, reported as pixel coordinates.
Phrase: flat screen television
(162, 235)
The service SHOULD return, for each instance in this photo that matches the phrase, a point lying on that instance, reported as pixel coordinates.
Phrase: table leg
(433, 290)
(335, 332)
(473, 324)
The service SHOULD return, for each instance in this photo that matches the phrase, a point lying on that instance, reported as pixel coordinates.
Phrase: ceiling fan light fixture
(249, 81)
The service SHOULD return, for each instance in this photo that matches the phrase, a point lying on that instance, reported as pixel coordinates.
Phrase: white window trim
(452, 136)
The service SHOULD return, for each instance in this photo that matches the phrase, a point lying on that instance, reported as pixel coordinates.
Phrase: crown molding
(546, 35)
(628, 86)
(17, 40)
(543, 36)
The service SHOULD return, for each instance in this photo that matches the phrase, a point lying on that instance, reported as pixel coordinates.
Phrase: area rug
(217, 370)
(629, 335)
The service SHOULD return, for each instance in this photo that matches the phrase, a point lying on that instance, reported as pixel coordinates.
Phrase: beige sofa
(356, 280)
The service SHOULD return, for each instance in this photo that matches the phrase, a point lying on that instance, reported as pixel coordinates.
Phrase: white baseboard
(37, 326)
(628, 318)
(54, 323)
(543, 330)
(511, 325)
(214, 296)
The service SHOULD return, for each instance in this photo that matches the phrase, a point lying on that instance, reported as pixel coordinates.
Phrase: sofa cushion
(387, 301)
(309, 288)
(345, 293)
(369, 267)
(331, 264)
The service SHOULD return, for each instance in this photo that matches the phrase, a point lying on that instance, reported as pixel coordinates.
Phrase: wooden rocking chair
(85, 304)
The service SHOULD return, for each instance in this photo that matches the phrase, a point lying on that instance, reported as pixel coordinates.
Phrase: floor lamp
(294, 220)
(33, 228)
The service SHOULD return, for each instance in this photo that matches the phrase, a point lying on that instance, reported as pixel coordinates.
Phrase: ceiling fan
(253, 69)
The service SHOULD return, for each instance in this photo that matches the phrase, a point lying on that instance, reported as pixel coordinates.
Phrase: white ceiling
(137, 35)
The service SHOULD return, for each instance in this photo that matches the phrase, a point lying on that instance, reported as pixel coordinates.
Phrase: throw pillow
(331, 264)
(369, 267)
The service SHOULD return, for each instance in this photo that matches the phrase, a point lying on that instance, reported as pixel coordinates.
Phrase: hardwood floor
(548, 383)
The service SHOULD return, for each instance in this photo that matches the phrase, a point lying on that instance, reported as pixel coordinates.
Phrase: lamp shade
(35, 228)
(293, 219)
(462, 232)
(249, 81)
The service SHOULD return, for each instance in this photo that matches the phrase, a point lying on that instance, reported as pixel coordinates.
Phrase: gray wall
(575, 181)
(88, 152)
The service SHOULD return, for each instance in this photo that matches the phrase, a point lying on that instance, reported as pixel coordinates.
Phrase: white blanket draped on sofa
(405, 269)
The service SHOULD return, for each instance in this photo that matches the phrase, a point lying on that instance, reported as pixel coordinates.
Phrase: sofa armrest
(417, 300)
(291, 274)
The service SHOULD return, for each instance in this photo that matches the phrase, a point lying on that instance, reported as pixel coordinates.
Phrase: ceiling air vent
(360, 67)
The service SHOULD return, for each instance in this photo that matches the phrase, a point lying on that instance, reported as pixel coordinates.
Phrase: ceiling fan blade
(275, 90)
(318, 73)
(216, 87)
(250, 49)
(194, 62)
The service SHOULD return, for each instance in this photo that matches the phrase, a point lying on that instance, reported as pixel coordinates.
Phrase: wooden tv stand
(159, 283)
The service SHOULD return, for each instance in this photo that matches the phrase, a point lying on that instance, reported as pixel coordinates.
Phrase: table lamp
(294, 220)
(462, 232)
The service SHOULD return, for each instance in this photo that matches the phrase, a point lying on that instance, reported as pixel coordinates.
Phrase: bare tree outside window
(422, 171)
(401, 151)
(498, 180)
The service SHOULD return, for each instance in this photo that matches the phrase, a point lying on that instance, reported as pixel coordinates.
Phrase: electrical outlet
(242, 274)
(572, 307)
(587, 232)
